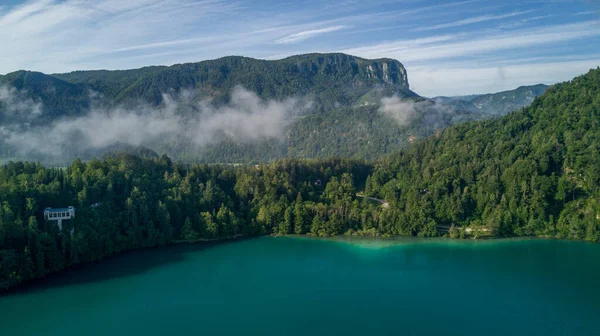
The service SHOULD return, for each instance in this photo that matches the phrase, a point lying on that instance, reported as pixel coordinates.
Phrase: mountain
(305, 106)
(331, 78)
(535, 171)
(496, 104)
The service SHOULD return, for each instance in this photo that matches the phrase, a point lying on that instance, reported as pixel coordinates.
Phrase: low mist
(180, 118)
(427, 114)
(16, 104)
(401, 111)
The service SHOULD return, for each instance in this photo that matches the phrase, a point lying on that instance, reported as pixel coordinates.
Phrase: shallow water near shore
(342, 286)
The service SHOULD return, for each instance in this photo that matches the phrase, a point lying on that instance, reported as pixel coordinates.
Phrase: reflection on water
(380, 242)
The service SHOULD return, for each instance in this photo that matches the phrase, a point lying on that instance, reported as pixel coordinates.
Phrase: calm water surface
(294, 286)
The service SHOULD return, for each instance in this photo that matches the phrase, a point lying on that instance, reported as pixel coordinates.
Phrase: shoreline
(343, 239)
(412, 240)
(23, 286)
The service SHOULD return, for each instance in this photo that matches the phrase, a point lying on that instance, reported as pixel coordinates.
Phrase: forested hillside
(533, 172)
(359, 132)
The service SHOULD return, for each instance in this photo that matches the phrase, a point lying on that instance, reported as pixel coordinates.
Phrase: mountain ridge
(496, 102)
(307, 70)
(346, 116)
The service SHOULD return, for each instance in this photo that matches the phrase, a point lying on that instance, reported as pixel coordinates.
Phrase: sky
(448, 47)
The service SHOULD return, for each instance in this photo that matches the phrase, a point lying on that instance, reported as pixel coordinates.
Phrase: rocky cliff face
(382, 71)
(388, 71)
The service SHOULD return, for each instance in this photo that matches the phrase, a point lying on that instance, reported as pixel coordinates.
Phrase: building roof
(58, 209)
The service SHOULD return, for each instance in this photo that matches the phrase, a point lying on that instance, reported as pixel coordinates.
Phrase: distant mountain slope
(57, 97)
(496, 104)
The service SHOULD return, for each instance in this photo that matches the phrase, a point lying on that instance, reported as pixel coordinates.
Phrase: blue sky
(448, 47)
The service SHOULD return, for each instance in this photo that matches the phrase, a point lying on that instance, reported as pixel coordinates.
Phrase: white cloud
(400, 110)
(297, 37)
(246, 118)
(430, 115)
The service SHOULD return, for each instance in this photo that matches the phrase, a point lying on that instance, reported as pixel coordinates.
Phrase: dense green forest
(533, 172)
(127, 202)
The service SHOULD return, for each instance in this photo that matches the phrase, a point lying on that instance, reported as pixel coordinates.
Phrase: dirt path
(383, 203)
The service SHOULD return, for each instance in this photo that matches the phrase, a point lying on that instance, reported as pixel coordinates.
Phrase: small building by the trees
(59, 214)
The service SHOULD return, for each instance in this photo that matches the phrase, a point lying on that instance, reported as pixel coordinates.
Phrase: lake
(299, 286)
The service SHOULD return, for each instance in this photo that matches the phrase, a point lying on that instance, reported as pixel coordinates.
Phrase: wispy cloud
(477, 45)
(23, 11)
(438, 6)
(65, 35)
(166, 44)
(378, 50)
(522, 22)
(297, 37)
(472, 20)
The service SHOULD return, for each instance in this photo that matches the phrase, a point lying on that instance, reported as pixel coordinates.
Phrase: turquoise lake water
(296, 286)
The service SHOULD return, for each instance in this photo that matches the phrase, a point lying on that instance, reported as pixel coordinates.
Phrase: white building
(59, 214)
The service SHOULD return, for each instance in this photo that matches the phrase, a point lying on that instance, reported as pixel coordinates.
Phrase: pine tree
(188, 232)
(212, 228)
(368, 188)
(316, 225)
(299, 215)
(286, 226)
